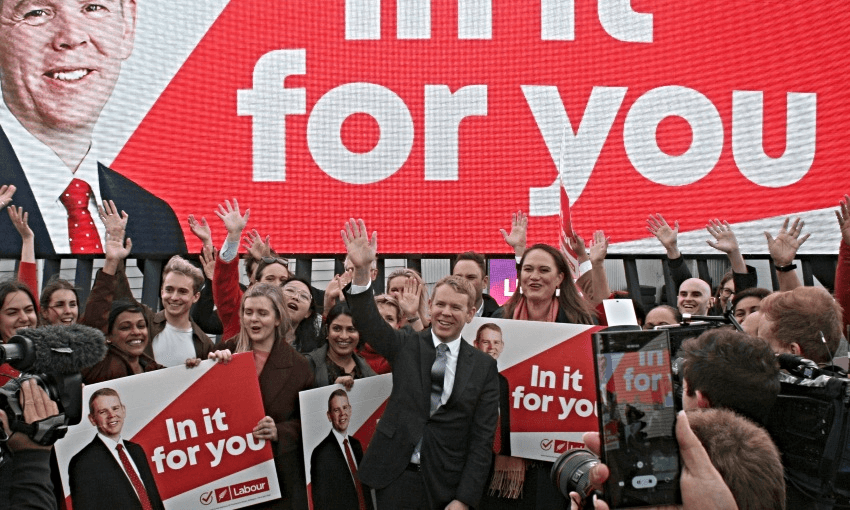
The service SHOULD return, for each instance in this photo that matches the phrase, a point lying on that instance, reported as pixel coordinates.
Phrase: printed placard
(193, 426)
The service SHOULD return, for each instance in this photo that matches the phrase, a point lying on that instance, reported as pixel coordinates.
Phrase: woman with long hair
(282, 372)
(545, 290)
(305, 333)
(338, 362)
(546, 293)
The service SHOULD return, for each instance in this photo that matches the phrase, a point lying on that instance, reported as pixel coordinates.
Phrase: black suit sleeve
(203, 312)
(480, 452)
(31, 487)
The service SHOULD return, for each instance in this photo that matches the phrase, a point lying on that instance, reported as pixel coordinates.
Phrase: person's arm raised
(725, 241)
(517, 238)
(202, 231)
(599, 280)
(783, 249)
(362, 250)
(235, 223)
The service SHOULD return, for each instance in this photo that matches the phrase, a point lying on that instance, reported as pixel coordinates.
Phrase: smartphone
(637, 418)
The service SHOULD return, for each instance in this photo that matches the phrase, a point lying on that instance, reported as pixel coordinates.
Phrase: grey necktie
(438, 373)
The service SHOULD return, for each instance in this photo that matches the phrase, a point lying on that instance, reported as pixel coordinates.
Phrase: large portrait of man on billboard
(59, 62)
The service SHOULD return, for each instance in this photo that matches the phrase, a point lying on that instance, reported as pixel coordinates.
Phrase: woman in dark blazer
(283, 372)
(338, 361)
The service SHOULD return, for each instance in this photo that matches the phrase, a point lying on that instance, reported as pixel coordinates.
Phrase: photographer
(805, 321)
(732, 370)
(25, 477)
(727, 463)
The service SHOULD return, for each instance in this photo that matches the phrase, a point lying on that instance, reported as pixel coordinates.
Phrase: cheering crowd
(443, 457)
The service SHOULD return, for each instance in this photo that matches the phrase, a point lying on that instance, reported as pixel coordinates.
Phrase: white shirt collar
(48, 176)
(454, 345)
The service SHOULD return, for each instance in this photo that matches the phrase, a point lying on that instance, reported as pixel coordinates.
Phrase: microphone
(54, 349)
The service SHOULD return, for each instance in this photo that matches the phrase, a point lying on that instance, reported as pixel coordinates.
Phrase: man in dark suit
(335, 485)
(57, 70)
(103, 475)
(433, 445)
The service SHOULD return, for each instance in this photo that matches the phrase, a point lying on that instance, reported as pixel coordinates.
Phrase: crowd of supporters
(302, 337)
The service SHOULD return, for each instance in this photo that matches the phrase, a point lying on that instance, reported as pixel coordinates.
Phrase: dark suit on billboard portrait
(153, 226)
(330, 477)
(97, 480)
(456, 441)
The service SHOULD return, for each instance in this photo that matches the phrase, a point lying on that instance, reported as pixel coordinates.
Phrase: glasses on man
(300, 296)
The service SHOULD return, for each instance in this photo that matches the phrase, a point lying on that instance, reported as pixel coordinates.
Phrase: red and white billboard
(434, 120)
(194, 426)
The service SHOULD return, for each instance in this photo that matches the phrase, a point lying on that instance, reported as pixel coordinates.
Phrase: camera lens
(571, 472)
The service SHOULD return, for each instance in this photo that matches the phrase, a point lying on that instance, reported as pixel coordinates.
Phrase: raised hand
(519, 231)
(362, 249)
(208, 261)
(6, 192)
(724, 237)
(410, 298)
(578, 246)
(233, 220)
(116, 248)
(20, 221)
(843, 215)
(668, 236)
(255, 246)
(783, 248)
(114, 222)
(201, 229)
(598, 248)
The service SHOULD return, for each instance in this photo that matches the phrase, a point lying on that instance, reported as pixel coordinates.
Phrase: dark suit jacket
(98, 482)
(505, 415)
(285, 373)
(153, 226)
(457, 441)
(333, 486)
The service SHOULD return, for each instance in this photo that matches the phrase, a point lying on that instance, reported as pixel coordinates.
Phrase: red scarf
(521, 310)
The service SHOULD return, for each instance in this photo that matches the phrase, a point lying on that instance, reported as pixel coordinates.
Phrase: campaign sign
(193, 426)
(328, 474)
(551, 384)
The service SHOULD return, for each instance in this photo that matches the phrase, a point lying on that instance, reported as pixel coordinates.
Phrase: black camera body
(810, 424)
(53, 356)
(65, 389)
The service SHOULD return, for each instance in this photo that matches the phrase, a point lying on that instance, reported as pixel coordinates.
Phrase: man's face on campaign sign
(60, 59)
(108, 415)
(339, 413)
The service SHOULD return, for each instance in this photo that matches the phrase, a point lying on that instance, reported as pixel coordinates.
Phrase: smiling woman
(127, 337)
(283, 373)
(17, 309)
(338, 360)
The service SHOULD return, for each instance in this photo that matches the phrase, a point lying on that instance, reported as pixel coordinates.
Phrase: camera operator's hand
(702, 486)
(37, 406)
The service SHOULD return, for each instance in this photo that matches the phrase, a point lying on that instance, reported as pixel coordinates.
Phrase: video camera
(810, 424)
(52, 356)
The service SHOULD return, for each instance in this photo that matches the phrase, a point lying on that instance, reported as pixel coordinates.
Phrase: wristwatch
(785, 269)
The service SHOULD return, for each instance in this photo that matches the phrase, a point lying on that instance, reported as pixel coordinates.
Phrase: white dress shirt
(112, 445)
(48, 176)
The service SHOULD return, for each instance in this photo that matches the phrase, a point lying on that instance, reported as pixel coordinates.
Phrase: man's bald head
(693, 296)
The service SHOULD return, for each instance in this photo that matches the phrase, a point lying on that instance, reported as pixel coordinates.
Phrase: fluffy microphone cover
(65, 349)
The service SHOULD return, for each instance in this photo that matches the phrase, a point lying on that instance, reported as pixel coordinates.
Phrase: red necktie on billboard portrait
(82, 232)
(134, 478)
(361, 499)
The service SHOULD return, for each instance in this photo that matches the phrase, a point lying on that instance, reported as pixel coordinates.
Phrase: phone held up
(637, 417)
